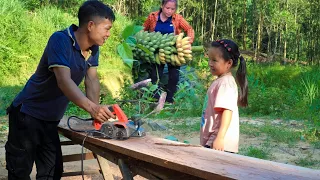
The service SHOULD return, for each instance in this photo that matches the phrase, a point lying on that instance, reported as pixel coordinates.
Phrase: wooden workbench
(145, 157)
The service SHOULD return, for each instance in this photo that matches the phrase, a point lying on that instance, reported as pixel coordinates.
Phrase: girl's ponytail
(243, 83)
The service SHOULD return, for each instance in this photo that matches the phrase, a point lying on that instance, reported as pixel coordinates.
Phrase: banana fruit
(154, 47)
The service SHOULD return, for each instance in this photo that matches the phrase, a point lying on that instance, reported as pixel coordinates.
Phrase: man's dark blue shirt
(41, 96)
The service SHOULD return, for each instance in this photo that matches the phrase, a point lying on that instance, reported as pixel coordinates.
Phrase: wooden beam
(66, 143)
(89, 172)
(77, 157)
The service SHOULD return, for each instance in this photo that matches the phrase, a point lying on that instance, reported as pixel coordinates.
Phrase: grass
(255, 152)
(190, 125)
(281, 134)
(274, 132)
(316, 145)
(250, 130)
(307, 162)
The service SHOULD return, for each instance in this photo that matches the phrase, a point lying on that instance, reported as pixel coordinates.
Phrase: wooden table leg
(125, 171)
(105, 167)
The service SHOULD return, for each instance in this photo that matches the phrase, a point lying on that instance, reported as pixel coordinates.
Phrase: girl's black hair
(164, 2)
(230, 50)
(94, 8)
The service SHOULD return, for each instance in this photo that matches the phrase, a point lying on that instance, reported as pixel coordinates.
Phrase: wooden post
(104, 167)
(125, 171)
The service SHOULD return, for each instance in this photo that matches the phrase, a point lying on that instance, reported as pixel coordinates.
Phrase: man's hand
(218, 144)
(101, 113)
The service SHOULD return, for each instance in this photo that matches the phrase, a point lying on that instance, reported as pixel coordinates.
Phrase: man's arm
(74, 94)
(92, 85)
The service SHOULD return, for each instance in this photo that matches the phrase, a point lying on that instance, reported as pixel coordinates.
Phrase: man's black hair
(93, 8)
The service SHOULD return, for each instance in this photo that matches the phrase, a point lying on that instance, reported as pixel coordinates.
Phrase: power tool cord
(87, 134)
(83, 131)
(82, 155)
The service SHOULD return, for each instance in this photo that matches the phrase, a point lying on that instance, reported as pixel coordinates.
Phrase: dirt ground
(280, 152)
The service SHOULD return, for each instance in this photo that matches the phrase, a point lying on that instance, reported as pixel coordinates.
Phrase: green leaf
(125, 51)
(131, 40)
(153, 87)
(145, 89)
(129, 62)
(128, 31)
(137, 29)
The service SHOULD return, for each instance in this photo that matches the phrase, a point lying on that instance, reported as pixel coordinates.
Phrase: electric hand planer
(121, 128)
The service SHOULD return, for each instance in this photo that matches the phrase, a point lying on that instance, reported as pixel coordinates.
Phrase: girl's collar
(224, 74)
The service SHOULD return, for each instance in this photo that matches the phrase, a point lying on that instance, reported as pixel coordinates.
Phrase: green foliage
(7, 95)
(71, 5)
(23, 38)
(190, 95)
(125, 52)
(137, 101)
(284, 91)
(124, 49)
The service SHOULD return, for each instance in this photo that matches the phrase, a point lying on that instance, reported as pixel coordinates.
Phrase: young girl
(220, 118)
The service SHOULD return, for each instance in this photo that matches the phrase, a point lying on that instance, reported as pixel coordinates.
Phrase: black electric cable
(82, 156)
(87, 134)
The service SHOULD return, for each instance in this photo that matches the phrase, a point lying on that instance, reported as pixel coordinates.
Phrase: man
(69, 56)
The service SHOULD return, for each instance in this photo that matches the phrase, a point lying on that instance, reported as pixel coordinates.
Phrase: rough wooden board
(197, 161)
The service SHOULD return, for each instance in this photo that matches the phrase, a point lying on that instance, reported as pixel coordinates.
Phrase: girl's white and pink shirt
(223, 93)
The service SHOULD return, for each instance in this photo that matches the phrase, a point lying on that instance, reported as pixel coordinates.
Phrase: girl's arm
(218, 143)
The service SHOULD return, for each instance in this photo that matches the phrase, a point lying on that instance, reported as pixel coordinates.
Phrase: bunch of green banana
(167, 48)
(149, 41)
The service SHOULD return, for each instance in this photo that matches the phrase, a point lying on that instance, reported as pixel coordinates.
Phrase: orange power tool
(122, 128)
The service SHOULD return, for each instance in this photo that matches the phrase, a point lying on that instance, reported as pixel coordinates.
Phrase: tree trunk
(285, 39)
(214, 20)
(297, 35)
(257, 51)
(231, 23)
(244, 26)
(276, 30)
(203, 20)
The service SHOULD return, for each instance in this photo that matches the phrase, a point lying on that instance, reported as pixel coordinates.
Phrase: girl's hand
(218, 144)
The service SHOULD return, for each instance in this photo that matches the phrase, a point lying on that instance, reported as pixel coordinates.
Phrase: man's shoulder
(59, 38)
(60, 35)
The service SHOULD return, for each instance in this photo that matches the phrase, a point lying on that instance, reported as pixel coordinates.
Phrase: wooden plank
(191, 161)
(66, 143)
(77, 157)
(77, 173)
